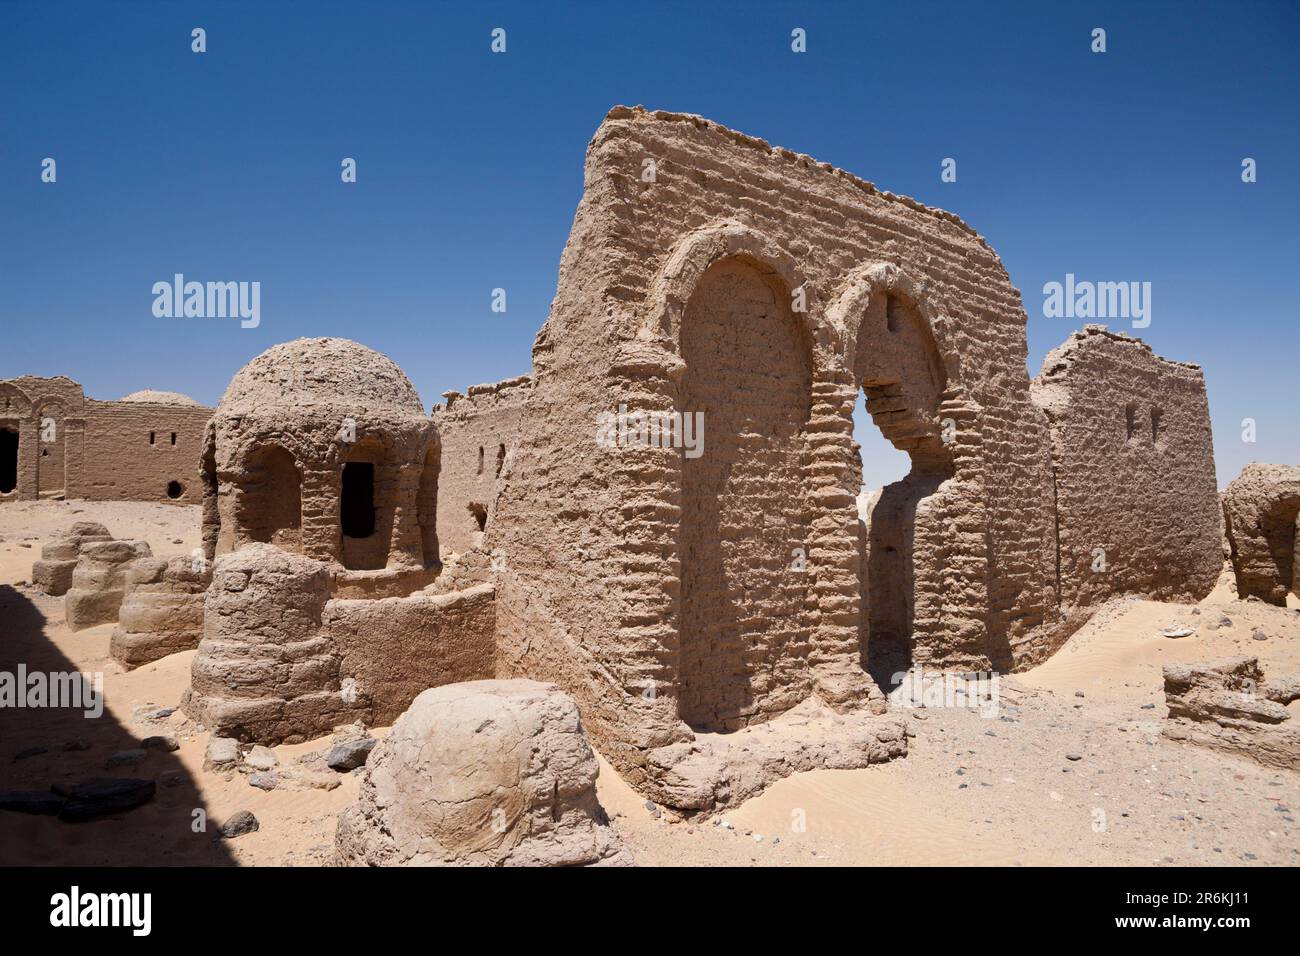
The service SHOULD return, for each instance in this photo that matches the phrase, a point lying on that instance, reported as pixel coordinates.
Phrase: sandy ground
(974, 789)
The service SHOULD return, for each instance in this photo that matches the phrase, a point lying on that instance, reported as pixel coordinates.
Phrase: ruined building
(365, 551)
(56, 442)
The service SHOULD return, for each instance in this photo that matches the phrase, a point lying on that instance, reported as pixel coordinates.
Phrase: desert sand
(1071, 771)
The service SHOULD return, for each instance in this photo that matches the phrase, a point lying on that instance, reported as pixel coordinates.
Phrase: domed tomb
(322, 447)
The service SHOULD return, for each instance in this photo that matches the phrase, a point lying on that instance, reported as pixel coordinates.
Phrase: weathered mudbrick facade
(675, 595)
(700, 567)
(54, 441)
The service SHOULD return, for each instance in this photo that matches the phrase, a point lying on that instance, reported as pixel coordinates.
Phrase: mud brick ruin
(1228, 705)
(56, 442)
(365, 551)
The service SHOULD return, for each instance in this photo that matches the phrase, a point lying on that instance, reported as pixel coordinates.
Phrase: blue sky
(225, 165)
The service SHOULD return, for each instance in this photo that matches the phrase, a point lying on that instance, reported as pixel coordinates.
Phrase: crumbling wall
(1228, 705)
(78, 447)
(162, 610)
(1261, 509)
(478, 432)
(397, 647)
(136, 451)
(1133, 463)
(594, 540)
(39, 411)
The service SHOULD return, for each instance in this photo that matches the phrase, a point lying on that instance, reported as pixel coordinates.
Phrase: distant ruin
(364, 551)
(56, 442)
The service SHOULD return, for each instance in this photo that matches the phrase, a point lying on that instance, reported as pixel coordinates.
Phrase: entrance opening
(744, 517)
(175, 489)
(357, 505)
(479, 515)
(8, 460)
(427, 506)
(898, 368)
(270, 508)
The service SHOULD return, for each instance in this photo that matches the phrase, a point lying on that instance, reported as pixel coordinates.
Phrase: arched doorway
(743, 516)
(8, 459)
(897, 366)
(270, 499)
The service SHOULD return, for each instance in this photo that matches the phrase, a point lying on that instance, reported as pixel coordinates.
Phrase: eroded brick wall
(478, 430)
(1137, 501)
(597, 540)
(744, 628)
(115, 460)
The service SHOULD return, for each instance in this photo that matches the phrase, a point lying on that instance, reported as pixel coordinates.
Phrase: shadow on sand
(44, 747)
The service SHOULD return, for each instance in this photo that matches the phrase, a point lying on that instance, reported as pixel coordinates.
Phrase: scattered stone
(125, 758)
(97, 798)
(75, 745)
(172, 778)
(30, 752)
(38, 802)
(1260, 636)
(161, 742)
(1078, 693)
(349, 754)
(261, 758)
(263, 780)
(239, 823)
(1074, 756)
(1177, 632)
(222, 754)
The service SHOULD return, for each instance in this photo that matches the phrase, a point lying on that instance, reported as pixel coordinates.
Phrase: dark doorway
(479, 514)
(357, 508)
(8, 460)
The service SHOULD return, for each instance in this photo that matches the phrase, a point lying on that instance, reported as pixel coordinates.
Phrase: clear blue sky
(225, 166)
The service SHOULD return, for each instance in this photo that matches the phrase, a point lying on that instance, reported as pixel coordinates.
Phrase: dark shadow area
(44, 747)
(357, 505)
(8, 460)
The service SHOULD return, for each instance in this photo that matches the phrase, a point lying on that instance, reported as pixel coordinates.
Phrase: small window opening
(479, 513)
(1130, 418)
(357, 507)
(480, 459)
(151, 437)
(175, 489)
(1157, 421)
(501, 458)
(892, 308)
(173, 438)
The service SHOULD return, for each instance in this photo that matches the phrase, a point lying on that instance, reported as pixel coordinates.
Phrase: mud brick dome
(322, 447)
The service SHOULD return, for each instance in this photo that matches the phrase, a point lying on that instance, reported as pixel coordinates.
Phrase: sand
(974, 790)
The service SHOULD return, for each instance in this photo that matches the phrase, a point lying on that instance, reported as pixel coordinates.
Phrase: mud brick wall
(1133, 460)
(598, 596)
(113, 458)
(478, 431)
(100, 450)
(397, 647)
(1262, 513)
